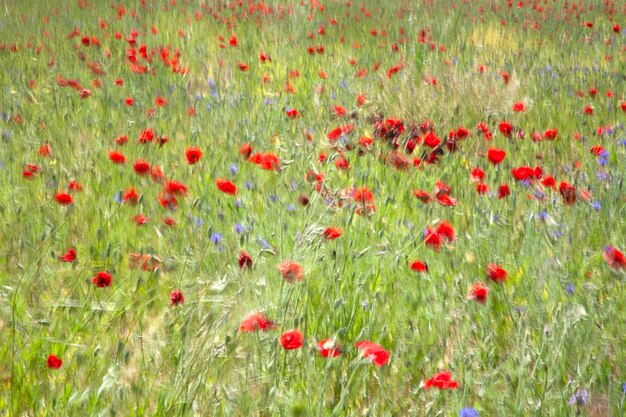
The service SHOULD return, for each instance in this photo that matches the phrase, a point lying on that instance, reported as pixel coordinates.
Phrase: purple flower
(233, 169)
(570, 288)
(118, 197)
(249, 185)
(468, 412)
(543, 215)
(291, 208)
(238, 203)
(579, 397)
(238, 228)
(603, 158)
(596, 205)
(216, 237)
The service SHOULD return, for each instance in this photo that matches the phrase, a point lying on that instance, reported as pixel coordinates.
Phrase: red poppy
(290, 271)
(293, 114)
(54, 362)
(478, 174)
(506, 128)
(63, 199)
(549, 182)
(446, 230)
(550, 134)
(193, 155)
(245, 150)
(441, 380)
(518, 107)
(423, 196)
(442, 189)
(130, 196)
(446, 200)
(102, 279)
(503, 191)
(329, 348)
(478, 292)
(140, 219)
(244, 260)
(75, 186)
(481, 188)
(176, 297)
(431, 140)
(524, 172)
(614, 258)
(431, 239)
(169, 221)
(254, 322)
(419, 266)
(141, 166)
(495, 155)
(146, 136)
(596, 150)
(332, 233)
(226, 186)
(496, 273)
(45, 150)
(117, 157)
(292, 339)
(568, 192)
(69, 256)
(175, 187)
(160, 101)
(373, 352)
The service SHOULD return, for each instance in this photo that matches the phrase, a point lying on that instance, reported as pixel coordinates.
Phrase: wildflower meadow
(312, 208)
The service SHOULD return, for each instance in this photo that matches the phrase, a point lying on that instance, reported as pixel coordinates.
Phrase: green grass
(126, 351)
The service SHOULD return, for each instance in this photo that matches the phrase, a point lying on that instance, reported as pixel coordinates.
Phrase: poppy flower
(518, 107)
(54, 362)
(64, 199)
(69, 256)
(446, 200)
(478, 174)
(568, 192)
(495, 155)
(141, 166)
(503, 191)
(332, 233)
(244, 260)
(117, 157)
(254, 322)
(168, 221)
(431, 239)
(140, 219)
(481, 188)
(596, 150)
(431, 140)
(506, 128)
(423, 196)
(290, 271)
(550, 134)
(614, 258)
(144, 261)
(329, 348)
(102, 279)
(496, 273)
(419, 266)
(478, 292)
(226, 186)
(446, 230)
(441, 380)
(130, 196)
(292, 339)
(45, 150)
(373, 352)
(176, 297)
(293, 113)
(245, 150)
(75, 186)
(548, 182)
(146, 136)
(193, 155)
(175, 187)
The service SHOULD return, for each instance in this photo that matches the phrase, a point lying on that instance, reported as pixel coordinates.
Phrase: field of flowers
(312, 208)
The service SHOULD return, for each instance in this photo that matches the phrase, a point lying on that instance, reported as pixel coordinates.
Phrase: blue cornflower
(624, 387)
(273, 198)
(570, 288)
(602, 176)
(249, 185)
(118, 197)
(579, 397)
(238, 228)
(596, 205)
(197, 221)
(211, 83)
(238, 203)
(603, 158)
(468, 412)
(543, 215)
(344, 84)
(216, 237)
(291, 208)
(233, 169)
